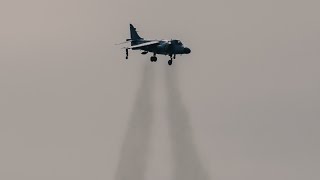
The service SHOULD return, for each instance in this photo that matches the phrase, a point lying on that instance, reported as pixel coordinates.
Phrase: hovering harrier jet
(164, 47)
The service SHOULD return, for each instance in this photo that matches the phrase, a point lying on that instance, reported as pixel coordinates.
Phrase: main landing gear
(153, 58)
(170, 61)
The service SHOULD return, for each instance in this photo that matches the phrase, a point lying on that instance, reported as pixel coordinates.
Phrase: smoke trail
(187, 161)
(133, 155)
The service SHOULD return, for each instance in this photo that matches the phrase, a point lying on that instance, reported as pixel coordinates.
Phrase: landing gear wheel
(153, 58)
(127, 53)
(170, 62)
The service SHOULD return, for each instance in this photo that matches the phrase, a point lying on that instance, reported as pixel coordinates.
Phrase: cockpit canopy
(178, 42)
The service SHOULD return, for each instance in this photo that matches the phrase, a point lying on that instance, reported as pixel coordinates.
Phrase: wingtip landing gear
(170, 61)
(127, 53)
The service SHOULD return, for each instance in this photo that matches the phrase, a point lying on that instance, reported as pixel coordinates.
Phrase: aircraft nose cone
(186, 50)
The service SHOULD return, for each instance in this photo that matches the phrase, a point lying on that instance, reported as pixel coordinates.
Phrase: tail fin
(134, 34)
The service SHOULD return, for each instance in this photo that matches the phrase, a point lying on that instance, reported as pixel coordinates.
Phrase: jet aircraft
(164, 47)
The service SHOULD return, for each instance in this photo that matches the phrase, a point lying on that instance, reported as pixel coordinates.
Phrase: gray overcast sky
(71, 106)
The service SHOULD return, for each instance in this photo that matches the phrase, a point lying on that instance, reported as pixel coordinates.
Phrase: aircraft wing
(144, 45)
